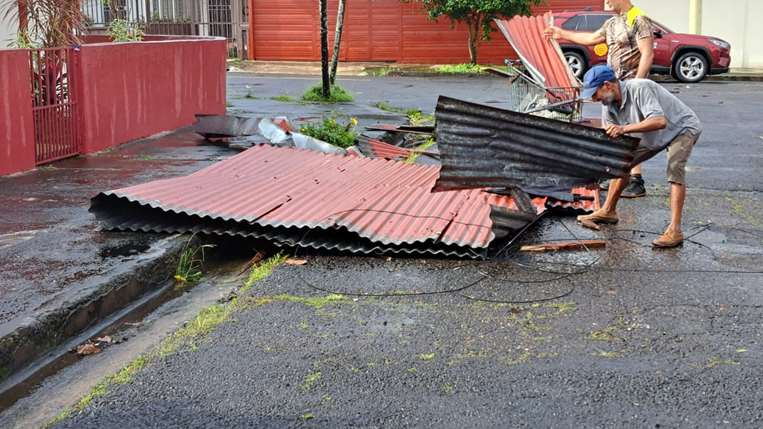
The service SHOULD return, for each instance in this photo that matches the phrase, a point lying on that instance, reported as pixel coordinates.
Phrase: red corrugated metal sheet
(379, 149)
(280, 192)
(541, 55)
(375, 30)
(385, 201)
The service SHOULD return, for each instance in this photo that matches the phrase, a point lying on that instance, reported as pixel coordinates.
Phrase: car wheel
(690, 67)
(576, 62)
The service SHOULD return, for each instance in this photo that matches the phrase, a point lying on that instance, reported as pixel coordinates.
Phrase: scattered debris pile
(501, 171)
(483, 146)
(296, 197)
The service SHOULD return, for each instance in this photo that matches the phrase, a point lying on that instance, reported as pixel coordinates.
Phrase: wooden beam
(564, 245)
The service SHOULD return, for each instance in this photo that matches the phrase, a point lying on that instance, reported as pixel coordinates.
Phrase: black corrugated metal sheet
(483, 146)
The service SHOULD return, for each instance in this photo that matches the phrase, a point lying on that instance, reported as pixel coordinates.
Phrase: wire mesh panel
(526, 95)
(54, 104)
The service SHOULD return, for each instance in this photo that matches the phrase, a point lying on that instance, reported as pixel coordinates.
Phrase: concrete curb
(34, 337)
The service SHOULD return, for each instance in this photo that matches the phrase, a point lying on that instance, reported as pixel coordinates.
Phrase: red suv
(688, 57)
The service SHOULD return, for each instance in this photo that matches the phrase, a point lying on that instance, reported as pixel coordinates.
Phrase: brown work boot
(599, 216)
(668, 239)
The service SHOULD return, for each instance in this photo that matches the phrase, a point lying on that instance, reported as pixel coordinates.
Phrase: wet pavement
(638, 338)
(50, 249)
(622, 337)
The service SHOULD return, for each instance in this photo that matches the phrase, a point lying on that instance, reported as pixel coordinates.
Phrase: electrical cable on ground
(562, 275)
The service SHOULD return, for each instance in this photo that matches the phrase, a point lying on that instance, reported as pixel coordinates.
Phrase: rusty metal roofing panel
(540, 55)
(483, 146)
(281, 193)
(378, 149)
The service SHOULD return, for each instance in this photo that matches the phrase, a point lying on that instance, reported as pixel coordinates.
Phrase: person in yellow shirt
(629, 38)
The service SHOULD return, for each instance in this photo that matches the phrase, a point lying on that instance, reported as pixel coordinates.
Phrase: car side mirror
(658, 34)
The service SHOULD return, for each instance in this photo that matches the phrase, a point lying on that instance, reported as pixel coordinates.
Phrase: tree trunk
(326, 83)
(337, 40)
(474, 34)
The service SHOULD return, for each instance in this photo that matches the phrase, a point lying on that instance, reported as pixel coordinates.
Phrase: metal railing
(54, 103)
(221, 18)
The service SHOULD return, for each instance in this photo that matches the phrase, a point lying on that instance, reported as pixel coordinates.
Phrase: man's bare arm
(646, 47)
(650, 124)
(579, 37)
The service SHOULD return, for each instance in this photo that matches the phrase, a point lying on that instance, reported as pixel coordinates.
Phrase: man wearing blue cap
(646, 110)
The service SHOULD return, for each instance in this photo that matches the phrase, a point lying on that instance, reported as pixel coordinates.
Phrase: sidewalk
(313, 68)
(60, 274)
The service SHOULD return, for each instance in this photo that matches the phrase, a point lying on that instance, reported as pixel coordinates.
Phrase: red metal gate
(54, 103)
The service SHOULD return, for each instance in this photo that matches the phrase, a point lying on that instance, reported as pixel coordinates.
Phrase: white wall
(7, 33)
(739, 23)
(736, 21)
(673, 14)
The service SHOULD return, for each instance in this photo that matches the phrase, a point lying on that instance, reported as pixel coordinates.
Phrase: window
(572, 23)
(593, 22)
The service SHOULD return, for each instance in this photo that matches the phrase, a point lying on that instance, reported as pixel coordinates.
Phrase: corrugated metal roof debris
(484, 146)
(541, 56)
(305, 198)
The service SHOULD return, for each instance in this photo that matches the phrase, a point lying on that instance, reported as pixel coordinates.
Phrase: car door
(663, 48)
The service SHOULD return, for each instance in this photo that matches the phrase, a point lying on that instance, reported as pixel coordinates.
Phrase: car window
(594, 22)
(572, 23)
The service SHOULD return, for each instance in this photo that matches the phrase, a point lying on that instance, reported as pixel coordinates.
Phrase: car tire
(690, 67)
(576, 62)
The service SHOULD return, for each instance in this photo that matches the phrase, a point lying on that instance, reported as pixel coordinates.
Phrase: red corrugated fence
(375, 30)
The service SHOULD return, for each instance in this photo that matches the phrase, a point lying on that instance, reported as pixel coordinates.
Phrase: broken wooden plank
(564, 245)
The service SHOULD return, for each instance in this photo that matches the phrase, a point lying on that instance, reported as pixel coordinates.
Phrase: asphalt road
(640, 338)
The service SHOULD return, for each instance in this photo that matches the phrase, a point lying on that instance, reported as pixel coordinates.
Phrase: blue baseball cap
(595, 78)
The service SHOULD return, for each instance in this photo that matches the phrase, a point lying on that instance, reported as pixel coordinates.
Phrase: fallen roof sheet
(541, 56)
(374, 148)
(483, 146)
(306, 198)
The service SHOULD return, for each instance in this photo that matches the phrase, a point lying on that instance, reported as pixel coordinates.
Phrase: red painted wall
(375, 30)
(134, 90)
(16, 126)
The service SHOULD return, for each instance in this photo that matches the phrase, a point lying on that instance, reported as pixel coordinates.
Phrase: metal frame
(526, 95)
(223, 18)
(55, 107)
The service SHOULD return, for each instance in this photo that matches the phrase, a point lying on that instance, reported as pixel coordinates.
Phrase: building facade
(375, 30)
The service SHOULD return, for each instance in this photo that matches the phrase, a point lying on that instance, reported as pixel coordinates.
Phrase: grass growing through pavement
(459, 69)
(337, 95)
(203, 324)
(415, 116)
(284, 98)
(189, 269)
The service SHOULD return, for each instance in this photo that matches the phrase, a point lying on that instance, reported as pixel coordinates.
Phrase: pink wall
(16, 127)
(126, 91)
(133, 90)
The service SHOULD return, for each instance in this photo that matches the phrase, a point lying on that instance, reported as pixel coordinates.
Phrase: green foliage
(417, 118)
(459, 69)
(478, 15)
(121, 30)
(482, 10)
(285, 98)
(190, 263)
(417, 152)
(331, 131)
(263, 270)
(337, 95)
